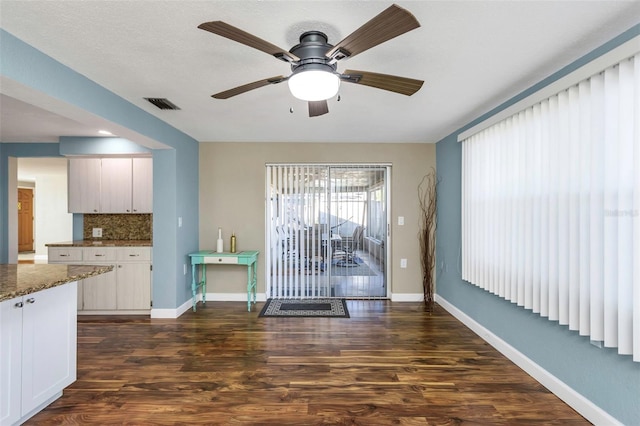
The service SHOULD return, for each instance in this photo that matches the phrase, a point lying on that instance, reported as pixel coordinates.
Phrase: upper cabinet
(115, 185)
(110, 185)
(142, 185)
(84, 185)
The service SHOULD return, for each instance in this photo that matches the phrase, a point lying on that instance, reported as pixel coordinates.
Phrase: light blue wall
(175, 190)
(607, 379)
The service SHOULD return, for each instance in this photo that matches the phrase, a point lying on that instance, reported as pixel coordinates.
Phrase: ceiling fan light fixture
(314, 84)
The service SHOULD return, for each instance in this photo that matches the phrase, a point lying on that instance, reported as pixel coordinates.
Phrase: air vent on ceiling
(162, 103)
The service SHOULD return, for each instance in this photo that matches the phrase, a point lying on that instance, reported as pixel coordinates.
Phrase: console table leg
(194, 287)
(204, 284)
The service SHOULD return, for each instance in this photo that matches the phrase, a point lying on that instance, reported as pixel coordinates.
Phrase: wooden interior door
(25, 219)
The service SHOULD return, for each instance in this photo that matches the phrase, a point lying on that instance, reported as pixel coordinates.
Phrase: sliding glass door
(326, 230)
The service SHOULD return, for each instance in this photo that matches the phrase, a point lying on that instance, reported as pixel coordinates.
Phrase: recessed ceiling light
(105, 132)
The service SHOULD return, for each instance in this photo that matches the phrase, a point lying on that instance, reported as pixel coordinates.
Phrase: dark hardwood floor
(389, 364)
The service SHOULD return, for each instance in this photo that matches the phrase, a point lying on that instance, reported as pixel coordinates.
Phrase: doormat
(333, 308)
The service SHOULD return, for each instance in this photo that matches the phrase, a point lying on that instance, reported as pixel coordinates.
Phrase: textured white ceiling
(472, 55)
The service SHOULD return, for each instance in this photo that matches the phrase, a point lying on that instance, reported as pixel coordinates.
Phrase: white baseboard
(407, 297)
(578, 402)
(172, 313)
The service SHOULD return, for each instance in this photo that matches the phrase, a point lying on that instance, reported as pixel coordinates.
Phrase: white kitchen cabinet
(110, 185)
(10, 361)
(134, 286)
(134, 278)
(100, 293)
(126, 289)
(84, 185)
(142, 185)
(69, 255)
(38, 351)
(116, 184)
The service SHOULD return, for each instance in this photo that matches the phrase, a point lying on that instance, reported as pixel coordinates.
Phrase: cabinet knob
(18, 305)
(119, 266)
(31, 300)
(95, 210)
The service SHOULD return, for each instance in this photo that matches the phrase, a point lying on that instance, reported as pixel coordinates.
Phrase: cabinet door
(10, 360)
(115, 194)
(134, 286)
(84, 185)
(99, 292)
(49, 341)
(142, 199)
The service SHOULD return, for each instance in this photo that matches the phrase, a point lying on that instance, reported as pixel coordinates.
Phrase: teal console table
(209, 257)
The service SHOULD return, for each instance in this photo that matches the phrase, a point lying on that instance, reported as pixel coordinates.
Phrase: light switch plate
(403, 263)
(400, 220)
(97, 232)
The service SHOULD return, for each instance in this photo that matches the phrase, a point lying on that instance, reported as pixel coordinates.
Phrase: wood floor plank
(389, 364)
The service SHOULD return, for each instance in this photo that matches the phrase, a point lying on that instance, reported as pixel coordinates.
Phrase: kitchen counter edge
(23, 279)
(102, 243)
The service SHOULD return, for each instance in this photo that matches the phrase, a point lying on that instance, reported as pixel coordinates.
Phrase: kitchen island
(38, 335)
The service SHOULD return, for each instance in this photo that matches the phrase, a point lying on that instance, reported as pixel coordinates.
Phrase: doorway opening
(46, 179)
(327, 231)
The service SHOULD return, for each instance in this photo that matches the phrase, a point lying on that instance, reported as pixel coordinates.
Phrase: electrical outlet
(403, 263)
(97, 232)
(400, 220)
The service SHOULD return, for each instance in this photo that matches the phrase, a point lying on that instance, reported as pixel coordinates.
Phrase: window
(551, 208)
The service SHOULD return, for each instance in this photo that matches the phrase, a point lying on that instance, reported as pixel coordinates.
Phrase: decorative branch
(427, 198)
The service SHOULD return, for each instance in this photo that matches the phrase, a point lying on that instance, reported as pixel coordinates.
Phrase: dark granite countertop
(23, 279)
(102, 243)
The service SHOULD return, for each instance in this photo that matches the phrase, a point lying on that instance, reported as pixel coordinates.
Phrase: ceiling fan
(314, 77)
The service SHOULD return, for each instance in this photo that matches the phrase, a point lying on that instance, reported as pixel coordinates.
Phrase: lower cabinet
(100, 293)
(133, 286)
(125, 290)
(37, 351)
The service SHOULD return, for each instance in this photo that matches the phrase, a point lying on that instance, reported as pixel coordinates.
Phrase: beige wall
(232, 196)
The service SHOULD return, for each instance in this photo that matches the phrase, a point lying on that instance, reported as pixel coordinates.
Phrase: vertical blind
(551, 208)
(317, 219)
(297, 197)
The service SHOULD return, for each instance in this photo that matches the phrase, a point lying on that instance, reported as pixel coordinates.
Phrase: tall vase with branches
(427, 198)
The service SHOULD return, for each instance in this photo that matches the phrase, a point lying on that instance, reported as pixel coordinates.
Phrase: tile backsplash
(119, 226)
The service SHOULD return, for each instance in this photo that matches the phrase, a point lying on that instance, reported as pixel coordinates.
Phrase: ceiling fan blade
(249, 86)
(232, 33)
(317, 108)
(390, 23)
(392, 83)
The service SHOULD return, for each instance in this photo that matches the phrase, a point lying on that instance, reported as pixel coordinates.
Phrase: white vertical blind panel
(551, 208)
(625, 205)
(636, 209)
(596, 231)
(584, 208)
(611, 158)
